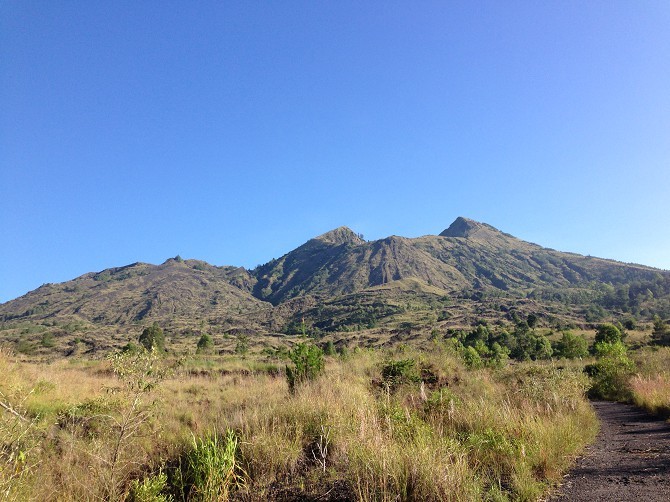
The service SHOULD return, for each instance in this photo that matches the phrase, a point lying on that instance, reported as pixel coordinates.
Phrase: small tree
(205, 344)
(395, 373)
(472, 358)
(629, 323)
(242, 345)
(661, 333)
(531, 345)
(611, 372)
(307, 365)
(116, 454)
(48, 340)
(499, 356)
(608, 333)
(572, 346)
(152, 338)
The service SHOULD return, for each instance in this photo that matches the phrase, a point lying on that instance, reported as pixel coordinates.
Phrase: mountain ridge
(341, 272)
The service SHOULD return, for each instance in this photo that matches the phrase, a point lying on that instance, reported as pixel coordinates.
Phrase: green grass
(210, 470)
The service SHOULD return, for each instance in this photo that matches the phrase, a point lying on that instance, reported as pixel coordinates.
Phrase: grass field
(137, 427)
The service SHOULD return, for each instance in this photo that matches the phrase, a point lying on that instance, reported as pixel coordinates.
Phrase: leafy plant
(571, 346)
(661, 333)
(205, 344)
(150, 489)
(140, 373)
(472, 358)
(396, 373)
(611, 371)
(48, 340)
(242, 345)
(20, 441)
(607, 333)
(307, 362)
(152, 338)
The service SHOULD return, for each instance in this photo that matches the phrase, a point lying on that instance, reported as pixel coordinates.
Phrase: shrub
(152, 338)
(307, 362)
(48, 340)
(661, 333)
(395, 373)
(611, 371)
(607, 333)
(130, 416)
(242, 345)
(531, 345)
(130, 348)
(205, 344)
(572, 346)
(472, 358)
(149, 489)
(19, 454)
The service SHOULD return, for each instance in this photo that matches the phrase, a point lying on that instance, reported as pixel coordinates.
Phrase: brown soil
(630, 459)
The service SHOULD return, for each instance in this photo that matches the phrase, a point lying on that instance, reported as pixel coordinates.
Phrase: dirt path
(630, 460)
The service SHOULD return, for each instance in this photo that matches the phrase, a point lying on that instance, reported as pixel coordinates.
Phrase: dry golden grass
(459, 435)
(651, 385)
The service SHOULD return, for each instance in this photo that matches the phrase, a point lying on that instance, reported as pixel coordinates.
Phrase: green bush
(152, 338)
(130, 348)
(205, 344)
(661, 333)
(607, 333)
(472, 358)
(572, 346)
(531, 345)
(499, 356)
(307, 362)
(242, 345)
(611, 372)
(149, 489)
(48, 340)
(395, 373)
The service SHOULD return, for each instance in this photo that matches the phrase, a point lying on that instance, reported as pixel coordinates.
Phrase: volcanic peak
(465, 227)
(340, 235)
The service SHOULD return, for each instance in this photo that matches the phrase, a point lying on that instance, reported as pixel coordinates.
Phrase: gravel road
(630, 460)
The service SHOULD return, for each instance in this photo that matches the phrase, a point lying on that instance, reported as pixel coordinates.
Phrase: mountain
(468, 255)
(309, 268)
(338, 282)
(141, 292)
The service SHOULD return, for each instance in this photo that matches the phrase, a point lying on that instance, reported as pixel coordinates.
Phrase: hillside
(176, 290)
(338, 282)
(467, 256)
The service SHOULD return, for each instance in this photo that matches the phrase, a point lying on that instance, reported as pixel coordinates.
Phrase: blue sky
(234, 131)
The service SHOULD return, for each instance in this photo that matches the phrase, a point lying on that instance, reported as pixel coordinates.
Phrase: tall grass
(650, 387)
(210, 470)
(447, 433)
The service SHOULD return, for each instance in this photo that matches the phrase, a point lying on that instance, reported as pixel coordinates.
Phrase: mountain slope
(466, 256)
(339, 281)
(176, 289)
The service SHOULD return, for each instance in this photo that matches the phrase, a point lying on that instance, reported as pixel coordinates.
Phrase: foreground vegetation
(371, 425)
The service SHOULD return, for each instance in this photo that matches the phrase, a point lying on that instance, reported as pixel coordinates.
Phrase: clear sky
(234, 131)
